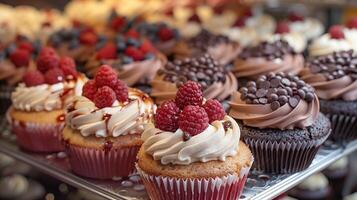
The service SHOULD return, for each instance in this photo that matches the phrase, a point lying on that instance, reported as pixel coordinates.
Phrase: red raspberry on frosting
(166, 117)
(295, 17)
(20, 58)
(193, 120)
(352, 23)
(214, 110)
(165, 34)
(33, 78)
(117, 23)
(336, 32)
(68, 66)
(135, 53)
(104, 97)
(106, 76)
(189, 94)
(146, 47)
(121, 91)
(47, 59)
(282, 27)
(26, 46)
(89, 89)
(54, 75)
(132, 34)
(47, 50)
(88, 37)
(109, 51)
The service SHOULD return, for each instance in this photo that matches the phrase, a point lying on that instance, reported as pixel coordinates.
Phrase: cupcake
(219, 46)
(309, 27)
(193, 144)
(282, 32)
(103, 127)
(261, 22)
(334, 78)
(190, 27)
(265, 57)
(315, 187)
(337, 174)
(241, 33)
(19, 187)
(135, 59)
(216, 17)
(215, 80)
(330, 42)
(36, 115)
(15, 59)
(280, 122)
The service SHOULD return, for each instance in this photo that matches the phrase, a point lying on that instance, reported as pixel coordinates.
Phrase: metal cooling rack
(259, 186)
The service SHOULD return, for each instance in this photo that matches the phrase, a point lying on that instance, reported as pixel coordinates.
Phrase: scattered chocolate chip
(293, 102)
(206, 39)
(309, 97)
(261, 92)
(275, 105)
(227, 125)
(283, 100)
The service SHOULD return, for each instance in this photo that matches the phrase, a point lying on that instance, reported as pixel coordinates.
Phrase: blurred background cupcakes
(279, 116)
(309, 27)
(337, 174)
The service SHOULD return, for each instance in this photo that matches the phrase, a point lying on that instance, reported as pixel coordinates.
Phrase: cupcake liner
(283, 157)
(218, 188)
(38, 137)
(5, 97)
(100, 163)
(344, 127)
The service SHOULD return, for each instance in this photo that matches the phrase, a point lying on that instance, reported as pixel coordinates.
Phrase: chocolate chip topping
(277, 90)
(268, 50)
(205, 39)
(335, 65)
(202, 69)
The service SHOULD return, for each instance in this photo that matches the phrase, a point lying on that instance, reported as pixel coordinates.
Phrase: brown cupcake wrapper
(227, 187)
(101, 163)
(344, 127)
(38, 137)
(283, 157)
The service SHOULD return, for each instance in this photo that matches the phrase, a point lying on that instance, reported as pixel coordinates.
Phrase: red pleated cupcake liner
(38, 137)
(344, 127)
(101, 163)
(283, 157)
(228, 187)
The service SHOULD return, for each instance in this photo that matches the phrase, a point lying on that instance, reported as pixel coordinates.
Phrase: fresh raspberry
(20, 58)
(54, 75)
(89, 89)
(104, 97)
(109, 51)
(193, 120)
(240, 22)
(135, 53)
(146, 47)
(26, 46)
(165, 34)
(214, 110)
(33, 78)
(295, 17)
(336, 32)
(132, 34)
(121, 91)
(88, 37)
(47, 50)
(47, 60)
(117, 23)
(166, 117)
(282, 27)
(189, 94)
(68, 66)
(352, 23)
(106, 76)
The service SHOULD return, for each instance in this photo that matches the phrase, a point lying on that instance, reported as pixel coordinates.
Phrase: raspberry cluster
(105, 88)
(157, 32)
(188, 111)
(19, 52)
(128, 48)
(51, 69)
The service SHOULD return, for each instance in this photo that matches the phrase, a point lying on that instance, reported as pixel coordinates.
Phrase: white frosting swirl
(119, 119)
(13, 186)
(314, 182)
(351, 36)
(45, 97)
(214, 143)
(295, 40)
(262, 23)
(244, 36)
(309, 27)
(326, 45)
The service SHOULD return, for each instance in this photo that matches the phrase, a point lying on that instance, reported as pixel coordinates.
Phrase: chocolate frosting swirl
(285, 117)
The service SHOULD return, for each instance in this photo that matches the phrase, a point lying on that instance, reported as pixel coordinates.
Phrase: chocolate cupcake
(334, 78)
(135, 59)
(275, 56)
(219, 46)
(215, 80)
(280, 121)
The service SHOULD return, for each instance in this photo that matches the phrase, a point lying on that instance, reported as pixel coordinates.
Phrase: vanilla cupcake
(215, 80)
(330, 42)
(193, 144)
(309, 27)
(37, 115)
(102, 136)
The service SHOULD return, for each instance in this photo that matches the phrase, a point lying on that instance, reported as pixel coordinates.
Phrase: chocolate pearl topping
(268, 50)
(335, 65)
(277, 90)
(205, 39)
(202, 69)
